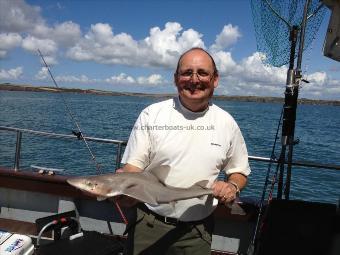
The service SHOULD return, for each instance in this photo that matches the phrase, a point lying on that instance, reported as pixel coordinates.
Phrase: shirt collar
(181, 108)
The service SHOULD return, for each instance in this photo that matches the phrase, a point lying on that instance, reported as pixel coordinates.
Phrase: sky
(133, 46)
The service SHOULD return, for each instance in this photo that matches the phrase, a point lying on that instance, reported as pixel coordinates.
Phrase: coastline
(30, 88)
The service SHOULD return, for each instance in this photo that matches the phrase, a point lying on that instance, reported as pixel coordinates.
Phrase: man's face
(195, 80)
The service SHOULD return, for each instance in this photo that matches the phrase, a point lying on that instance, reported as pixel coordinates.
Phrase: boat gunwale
(33, 181)
(57, 185)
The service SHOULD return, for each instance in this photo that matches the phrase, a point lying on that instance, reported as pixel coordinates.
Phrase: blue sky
(133, 46)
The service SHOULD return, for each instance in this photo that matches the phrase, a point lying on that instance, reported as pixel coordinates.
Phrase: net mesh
(272, 33)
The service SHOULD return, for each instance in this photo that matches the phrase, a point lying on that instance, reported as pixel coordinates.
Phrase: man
(197, 140)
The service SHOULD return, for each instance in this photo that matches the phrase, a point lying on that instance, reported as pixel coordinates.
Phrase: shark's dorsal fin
(160, 172)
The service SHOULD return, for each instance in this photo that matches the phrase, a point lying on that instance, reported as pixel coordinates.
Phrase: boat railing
(121, 143)
(20, 131)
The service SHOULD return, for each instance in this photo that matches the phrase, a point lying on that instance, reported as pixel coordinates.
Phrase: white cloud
(100, 45)
(228, 36)
(167, 44)
(154, 79)
(42, 74)
(22, 25)
(3, 54)
(334, 83)
(250, 76)
(46, 46)
(9, 40)
(122, 78)
(317, 77)
(160, 49)
(21, 22)
(50, 60)
(64, 34)
(190, 38)
(253, 70)
(320, 85)
(101, 33)
(11, 74)
(17, 16)
(72, 78)
(67, 33)
(224, 62)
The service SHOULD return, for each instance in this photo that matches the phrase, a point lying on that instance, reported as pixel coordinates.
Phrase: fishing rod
(251, 247)
(80, 135)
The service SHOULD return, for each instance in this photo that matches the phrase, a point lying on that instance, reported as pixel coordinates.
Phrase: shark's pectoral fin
(101, 198)
(140, 193)
(202, 197)
(202, 184)
(172, 204)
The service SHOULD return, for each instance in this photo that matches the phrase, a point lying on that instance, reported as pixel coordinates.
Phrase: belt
(169, 220)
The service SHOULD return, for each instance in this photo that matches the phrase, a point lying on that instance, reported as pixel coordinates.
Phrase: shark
(146, 186)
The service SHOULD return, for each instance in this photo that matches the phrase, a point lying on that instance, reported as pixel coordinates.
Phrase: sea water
(112, 117)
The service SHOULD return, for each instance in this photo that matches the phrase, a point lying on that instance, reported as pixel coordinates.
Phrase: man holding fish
(193, 139)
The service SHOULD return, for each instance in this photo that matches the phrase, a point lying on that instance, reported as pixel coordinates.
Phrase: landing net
(273, 21)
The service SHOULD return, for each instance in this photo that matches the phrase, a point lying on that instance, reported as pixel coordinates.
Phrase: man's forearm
(239, 179)
(131, 168)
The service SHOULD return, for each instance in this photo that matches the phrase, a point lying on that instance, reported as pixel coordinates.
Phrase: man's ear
(175, 79)
(216, 79)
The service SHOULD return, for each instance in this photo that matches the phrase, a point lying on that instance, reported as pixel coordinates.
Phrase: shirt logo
(216, 144)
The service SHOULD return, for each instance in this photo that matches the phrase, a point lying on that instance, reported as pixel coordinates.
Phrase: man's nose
(194, 77)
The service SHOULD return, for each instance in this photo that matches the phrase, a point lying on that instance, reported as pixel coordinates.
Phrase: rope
(122, 215)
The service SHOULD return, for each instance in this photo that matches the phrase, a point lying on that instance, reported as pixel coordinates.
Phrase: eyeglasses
(202, 75)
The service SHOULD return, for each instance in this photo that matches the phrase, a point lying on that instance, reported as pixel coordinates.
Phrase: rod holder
(17, 151)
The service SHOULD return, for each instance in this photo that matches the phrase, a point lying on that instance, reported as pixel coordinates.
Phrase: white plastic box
(4, 235)
(16, 244)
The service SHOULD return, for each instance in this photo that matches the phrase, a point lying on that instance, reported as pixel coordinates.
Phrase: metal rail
(298, 163)
(120, 144)
(20, 131)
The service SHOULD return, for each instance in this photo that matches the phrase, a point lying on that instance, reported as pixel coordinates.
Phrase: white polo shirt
(195, 145)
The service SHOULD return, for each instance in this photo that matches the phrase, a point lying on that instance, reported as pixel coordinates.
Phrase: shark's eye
(89, 184)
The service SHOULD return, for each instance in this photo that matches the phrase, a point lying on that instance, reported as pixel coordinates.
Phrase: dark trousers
(150, 236)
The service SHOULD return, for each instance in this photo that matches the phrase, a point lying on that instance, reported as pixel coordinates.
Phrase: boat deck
(27, 196)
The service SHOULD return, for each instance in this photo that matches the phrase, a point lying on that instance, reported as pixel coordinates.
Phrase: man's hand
(225, 192)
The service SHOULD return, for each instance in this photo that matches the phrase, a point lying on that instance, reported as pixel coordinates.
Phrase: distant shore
(16, 87)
